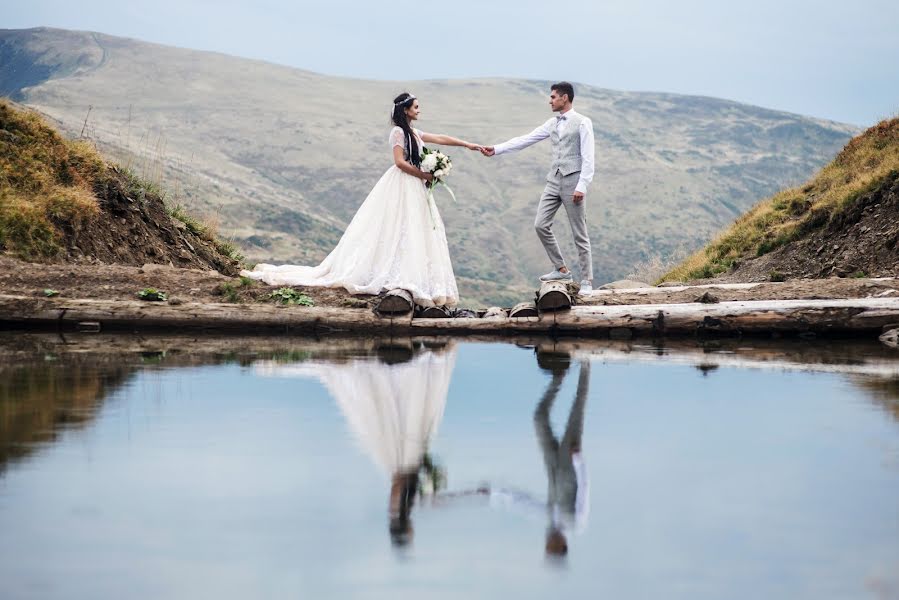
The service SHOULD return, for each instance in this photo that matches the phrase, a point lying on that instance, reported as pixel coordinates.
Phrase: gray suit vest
(566, 148)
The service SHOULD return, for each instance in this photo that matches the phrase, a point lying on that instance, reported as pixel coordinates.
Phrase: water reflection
(211, 480)
(567, 504)
(883, 391)
(39, 400)
(393, 406)
(567, 482)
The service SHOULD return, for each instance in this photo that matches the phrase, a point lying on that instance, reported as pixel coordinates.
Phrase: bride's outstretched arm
(446, 140)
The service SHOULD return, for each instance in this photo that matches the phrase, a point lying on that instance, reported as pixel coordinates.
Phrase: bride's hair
(400, 104)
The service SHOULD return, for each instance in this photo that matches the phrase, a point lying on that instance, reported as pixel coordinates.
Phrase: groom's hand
(488, 150)
(578, 197)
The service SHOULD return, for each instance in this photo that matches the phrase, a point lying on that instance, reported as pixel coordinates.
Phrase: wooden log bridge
(864, 316)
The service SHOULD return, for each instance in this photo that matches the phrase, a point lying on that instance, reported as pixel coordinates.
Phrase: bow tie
(561, 118)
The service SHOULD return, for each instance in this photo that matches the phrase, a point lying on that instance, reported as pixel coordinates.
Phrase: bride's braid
(400, 104)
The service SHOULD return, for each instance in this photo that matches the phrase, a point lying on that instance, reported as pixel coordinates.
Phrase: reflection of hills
(884, 392)
(39, 401)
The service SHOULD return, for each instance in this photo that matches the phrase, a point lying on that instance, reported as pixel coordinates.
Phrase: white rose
(429, 163)
(439, 173)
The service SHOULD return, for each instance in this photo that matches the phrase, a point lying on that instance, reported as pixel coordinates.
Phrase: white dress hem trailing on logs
(395, 240)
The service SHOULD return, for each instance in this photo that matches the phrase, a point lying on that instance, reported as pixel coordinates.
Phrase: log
(788, 317)
(524, 309)
(553, 295)
(434, 312)
(395, 302)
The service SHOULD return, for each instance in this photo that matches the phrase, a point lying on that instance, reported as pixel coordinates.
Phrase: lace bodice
(398, 138)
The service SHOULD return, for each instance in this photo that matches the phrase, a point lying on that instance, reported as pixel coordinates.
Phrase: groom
(566, 183)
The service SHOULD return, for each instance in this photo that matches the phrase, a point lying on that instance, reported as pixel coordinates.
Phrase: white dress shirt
(544, 131)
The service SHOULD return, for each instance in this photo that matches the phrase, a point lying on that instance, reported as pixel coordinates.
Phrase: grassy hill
(59, 199)
(773, 238)
(281, 158)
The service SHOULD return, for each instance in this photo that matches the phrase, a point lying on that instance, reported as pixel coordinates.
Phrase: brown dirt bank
(121, 282)
(862, 240)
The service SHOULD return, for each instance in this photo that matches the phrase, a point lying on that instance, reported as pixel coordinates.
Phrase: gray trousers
(558, 192)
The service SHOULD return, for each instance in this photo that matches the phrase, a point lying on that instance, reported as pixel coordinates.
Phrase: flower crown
(411, 97)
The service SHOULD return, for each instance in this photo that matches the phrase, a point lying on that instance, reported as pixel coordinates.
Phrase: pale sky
(835, 60)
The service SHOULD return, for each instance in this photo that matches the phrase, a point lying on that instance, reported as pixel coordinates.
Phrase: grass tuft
(863, 164)
(45, 181)
(48, 183)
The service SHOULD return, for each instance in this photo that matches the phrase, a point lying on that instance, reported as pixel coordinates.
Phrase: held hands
(488, 150)
(475, 147)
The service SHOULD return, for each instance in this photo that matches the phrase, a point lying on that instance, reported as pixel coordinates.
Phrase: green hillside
(867, 163)
(60, 200)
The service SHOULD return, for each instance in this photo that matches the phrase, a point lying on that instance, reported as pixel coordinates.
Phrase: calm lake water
(171, 468)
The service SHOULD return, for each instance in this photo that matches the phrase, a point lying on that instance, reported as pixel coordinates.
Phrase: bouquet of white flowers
(439, 165)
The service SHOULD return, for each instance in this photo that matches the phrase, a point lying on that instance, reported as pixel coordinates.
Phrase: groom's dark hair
(563, 87)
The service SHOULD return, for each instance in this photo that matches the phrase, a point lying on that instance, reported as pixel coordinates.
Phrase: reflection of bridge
(838, 356)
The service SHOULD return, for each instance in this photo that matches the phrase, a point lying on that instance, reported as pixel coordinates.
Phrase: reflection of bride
(393, 409)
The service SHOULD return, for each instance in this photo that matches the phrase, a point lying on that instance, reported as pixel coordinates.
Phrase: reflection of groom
(567, 484)
(567, 505)
(566, 183)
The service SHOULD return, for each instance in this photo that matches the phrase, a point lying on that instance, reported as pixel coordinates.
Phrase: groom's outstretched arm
(523, 141)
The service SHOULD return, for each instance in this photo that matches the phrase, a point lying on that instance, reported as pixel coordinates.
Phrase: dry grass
(45, 181)
(653, 268)
(47, 184)
(861, 166)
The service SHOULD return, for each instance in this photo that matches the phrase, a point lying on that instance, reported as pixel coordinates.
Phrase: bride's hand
(474, 147)
(429, 177)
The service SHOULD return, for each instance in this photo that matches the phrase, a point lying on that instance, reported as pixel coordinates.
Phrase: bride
(393, 240)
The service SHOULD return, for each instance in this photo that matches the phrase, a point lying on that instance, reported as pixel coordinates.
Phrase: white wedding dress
(395, 240)
(393, 410)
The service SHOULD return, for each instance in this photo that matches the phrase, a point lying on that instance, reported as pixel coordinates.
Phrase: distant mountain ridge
(283, 157)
